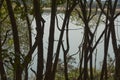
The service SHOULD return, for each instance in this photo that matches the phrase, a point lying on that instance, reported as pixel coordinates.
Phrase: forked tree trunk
(51, 40)
(67, 15)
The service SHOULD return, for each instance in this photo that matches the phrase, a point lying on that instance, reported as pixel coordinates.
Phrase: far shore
(48, 9)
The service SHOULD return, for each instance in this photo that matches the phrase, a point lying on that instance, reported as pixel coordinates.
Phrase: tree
(17, 47)
(111, 18)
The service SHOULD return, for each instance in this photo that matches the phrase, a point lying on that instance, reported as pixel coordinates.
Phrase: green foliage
(74, 73)
(61, 2)
(8, 55)
(11, 60)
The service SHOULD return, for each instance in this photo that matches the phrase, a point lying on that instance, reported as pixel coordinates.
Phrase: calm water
(75, 39)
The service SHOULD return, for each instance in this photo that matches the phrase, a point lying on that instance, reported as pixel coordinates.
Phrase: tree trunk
(67, 15)
(104, 75)
(117, 67)
(51, 41)
(91, 68)
(65, 52)
(39, 38)
(116, 51)
(30, 35)
(18, 69)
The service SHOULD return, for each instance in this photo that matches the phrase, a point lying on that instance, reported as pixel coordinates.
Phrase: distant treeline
(46, 3)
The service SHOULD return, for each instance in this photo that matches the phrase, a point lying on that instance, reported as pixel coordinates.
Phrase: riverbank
(61, 9)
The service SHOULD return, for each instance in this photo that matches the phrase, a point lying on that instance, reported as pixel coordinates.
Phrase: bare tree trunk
(86, 38)
(117, 67)
(30, 34)
(91, 67)
(28, 23)
(116, 51)
(112, 18)
(17, 67)
(2, 70)
(51, 40)
(65, 67)
(85, 59)
(40, 29)
(104, 67)
(87, 49)
(67, 15)
(104, 75)
(80, 67)
(26, 73)
(65, 52)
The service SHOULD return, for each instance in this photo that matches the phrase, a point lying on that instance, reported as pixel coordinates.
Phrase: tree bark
(67, 15)
(30, 34)
(17, 67)
(116, 51)
(51, 41)
(65, 52)
(39, 38)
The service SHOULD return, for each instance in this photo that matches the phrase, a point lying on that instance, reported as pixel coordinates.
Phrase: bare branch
(4, 19)
(6, 35)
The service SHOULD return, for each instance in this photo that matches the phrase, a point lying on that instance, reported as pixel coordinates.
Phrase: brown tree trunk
(39, 38)
(18, 69)
(116, 51)
(28, 23)
(51, 41)
(114, 39)
(112, 11)
(117, 67)
(30, 34)
(104, 75)
(91, 67)
(65, 52)
(67, 15)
